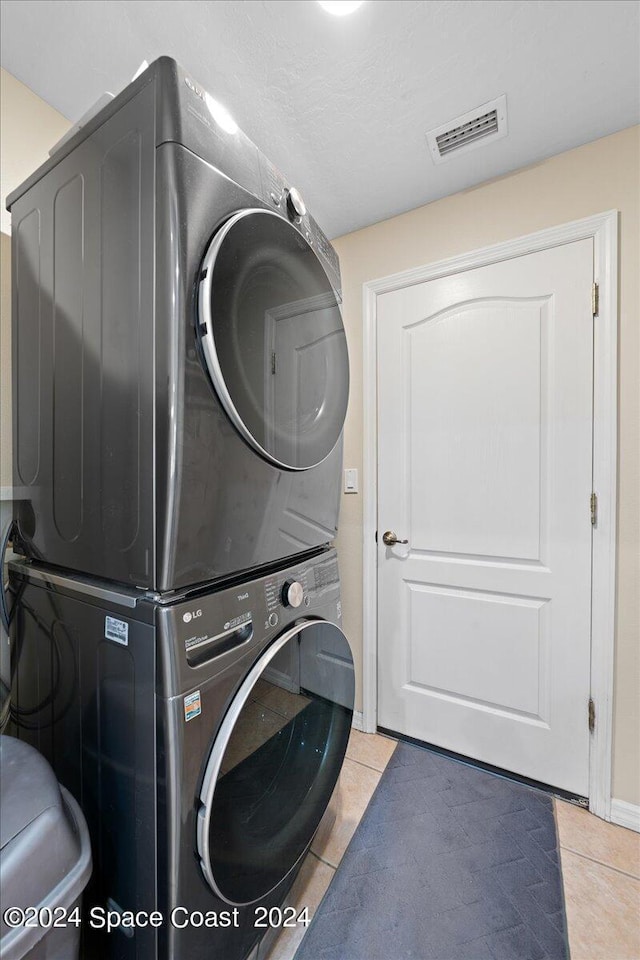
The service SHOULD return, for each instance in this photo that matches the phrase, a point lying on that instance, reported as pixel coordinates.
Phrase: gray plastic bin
(45, 855)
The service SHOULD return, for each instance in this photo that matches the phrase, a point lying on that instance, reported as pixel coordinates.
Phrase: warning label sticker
(192, 706)
(117, 630)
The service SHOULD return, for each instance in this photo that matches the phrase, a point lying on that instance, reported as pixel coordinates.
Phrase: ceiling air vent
(471, 130)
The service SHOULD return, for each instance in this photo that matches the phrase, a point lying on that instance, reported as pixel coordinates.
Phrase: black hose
(4, 610)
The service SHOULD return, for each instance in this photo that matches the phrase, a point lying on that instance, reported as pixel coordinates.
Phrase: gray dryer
(180, 363)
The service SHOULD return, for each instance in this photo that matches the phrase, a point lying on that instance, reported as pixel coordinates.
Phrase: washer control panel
(228, 622)
(287, 589)
(301, 586)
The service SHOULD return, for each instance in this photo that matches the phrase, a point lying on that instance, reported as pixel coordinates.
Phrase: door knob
(390, 538)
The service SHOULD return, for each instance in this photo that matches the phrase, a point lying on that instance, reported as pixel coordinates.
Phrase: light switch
(351, 480)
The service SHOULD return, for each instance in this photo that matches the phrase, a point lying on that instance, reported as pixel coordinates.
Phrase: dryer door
(275, 762)
(272, 337)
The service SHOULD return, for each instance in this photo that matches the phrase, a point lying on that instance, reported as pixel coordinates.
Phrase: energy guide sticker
(192, 706)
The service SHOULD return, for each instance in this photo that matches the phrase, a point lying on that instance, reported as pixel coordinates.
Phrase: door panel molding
(603, 229)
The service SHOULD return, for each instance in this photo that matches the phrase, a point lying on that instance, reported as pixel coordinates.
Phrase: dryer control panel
(283, 196)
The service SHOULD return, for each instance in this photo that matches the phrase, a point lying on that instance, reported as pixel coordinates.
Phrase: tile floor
(600, 863)
(601, 876)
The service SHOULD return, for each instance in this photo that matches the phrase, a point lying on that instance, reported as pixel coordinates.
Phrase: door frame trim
(603, 229)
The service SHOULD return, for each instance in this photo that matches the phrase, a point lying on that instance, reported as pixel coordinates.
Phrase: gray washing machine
(203, 738)
(180, 363)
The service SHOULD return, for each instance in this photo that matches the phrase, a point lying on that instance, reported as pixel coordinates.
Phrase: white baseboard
(358, 720)
(625, 814)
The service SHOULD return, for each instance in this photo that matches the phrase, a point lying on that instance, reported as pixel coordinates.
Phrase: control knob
(292, 593)
(295, 205)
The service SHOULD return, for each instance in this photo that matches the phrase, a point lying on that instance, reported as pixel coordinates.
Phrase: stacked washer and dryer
(180, 389)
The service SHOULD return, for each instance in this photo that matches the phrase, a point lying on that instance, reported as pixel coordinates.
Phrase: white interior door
(485, 467)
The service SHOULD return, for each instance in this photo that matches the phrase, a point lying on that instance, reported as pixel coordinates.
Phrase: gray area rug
(448, 863)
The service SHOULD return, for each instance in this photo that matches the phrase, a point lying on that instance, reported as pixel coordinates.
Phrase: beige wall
(29, 127)
(600, 176)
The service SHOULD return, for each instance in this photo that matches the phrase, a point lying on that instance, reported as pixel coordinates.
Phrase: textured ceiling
(342, 105)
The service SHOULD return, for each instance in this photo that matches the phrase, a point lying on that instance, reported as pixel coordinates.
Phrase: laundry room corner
(320, 480)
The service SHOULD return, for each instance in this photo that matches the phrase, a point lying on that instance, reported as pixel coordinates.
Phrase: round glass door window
(275, 762)
(272, 338)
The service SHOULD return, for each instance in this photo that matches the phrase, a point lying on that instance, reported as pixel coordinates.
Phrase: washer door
(272, 338)
(275, 762)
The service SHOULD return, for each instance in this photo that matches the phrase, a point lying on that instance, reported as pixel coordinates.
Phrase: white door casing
(499, 549)
(484, 463)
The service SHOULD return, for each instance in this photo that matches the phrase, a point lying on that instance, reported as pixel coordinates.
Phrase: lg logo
(191, 616)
